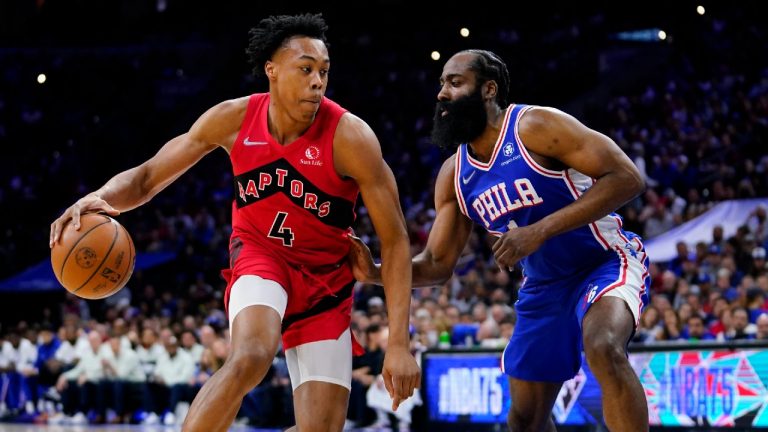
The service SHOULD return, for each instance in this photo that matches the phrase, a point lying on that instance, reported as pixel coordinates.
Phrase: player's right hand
(401, 373)
(87, 204)
(363, 267)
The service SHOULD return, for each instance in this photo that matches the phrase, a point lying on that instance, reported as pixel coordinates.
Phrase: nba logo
(509, 149)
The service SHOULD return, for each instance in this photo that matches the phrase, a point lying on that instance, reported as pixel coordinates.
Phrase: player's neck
(284, 128)
(482, 146)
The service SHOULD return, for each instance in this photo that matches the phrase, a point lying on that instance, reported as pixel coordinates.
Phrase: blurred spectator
(150, 351)
(762, 327)
(755, 301)
(19, 374)
(375, 305)
(169, 384)
(757, 224)
(489, 334)
(740, 327)
(123, 385)
(191, 346)
(507, 327)
(79, 385)
(696, 330)
(365, 369)
(671, 327)
(74, 344)
(378, 399)
(758, 265)
(46, 366)
(683, 256)
(649, 326)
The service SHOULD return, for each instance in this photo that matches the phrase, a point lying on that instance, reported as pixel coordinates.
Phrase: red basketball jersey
(289, 198)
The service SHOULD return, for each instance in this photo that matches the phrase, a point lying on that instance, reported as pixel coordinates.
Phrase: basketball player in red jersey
(299, 162)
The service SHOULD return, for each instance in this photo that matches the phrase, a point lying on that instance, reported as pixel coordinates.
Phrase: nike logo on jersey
(495, 202)
(468, 178)
(253, 143)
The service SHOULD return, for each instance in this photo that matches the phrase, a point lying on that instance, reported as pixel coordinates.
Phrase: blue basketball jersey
(512, 190)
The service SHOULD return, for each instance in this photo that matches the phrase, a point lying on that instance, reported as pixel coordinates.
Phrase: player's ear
(489, 90)
(269, 70)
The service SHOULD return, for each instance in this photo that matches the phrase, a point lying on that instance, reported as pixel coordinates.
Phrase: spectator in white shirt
(78, 386)
(74, 344)
(124, 379)
(19, 355)
(191, 346)
(149, 351)
(170, 383)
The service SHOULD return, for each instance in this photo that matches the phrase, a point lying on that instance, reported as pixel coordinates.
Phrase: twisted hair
(489, 66)
(274, 31)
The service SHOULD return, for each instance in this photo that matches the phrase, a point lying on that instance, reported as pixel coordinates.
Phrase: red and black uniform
(290, 219)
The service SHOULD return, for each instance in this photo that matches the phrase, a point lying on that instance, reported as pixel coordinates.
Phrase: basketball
(95, 261)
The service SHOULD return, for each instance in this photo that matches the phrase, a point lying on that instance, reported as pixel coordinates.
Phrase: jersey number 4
(278, 231)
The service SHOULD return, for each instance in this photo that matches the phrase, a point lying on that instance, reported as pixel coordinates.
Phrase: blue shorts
(547, 342)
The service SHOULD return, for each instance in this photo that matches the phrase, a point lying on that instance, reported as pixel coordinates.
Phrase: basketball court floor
(8, 427)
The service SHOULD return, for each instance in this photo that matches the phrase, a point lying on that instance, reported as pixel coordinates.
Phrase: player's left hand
(361, 261)
(401, 374)
(516, 244)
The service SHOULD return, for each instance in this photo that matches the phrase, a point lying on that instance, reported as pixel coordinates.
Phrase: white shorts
(326, 360)
(629, 294)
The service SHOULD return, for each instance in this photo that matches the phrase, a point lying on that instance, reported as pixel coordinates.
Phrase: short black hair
(490, 67)
(272, 32)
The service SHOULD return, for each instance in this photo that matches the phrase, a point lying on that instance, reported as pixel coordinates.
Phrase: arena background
(89, 88)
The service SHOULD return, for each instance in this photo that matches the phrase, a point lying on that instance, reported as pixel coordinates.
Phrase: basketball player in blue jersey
(546, 186)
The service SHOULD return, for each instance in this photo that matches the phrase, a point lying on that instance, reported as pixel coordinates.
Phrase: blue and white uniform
(569, 272)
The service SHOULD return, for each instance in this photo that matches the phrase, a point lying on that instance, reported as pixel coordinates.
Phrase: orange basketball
(95, 261)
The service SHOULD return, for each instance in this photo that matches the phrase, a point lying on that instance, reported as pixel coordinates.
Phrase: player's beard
(465, 120)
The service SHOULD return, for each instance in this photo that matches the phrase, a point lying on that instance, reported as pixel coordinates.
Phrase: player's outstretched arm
(357, 154)
(447, 239)
(448, 236)
(131, 188)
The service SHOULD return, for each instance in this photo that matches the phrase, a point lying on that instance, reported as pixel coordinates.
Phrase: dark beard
(466, 120)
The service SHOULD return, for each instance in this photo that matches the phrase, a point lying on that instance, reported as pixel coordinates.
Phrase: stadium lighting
(435, 55)
(41, 78)
(700, 10)
(653, 35)
(464, 32)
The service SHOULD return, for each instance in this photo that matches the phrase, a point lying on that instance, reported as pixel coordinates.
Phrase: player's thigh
(256, 307)
(532, 401)
(321, 376)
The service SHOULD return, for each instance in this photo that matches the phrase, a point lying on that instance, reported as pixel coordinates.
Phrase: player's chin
(308, 112)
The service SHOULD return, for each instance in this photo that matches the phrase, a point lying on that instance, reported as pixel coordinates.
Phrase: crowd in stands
(141, 355)
(122, 371)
